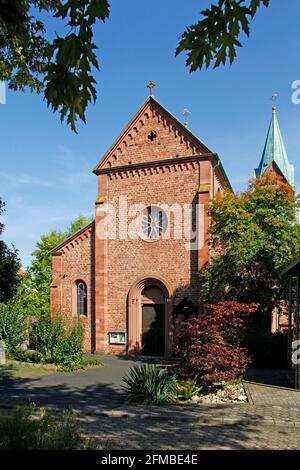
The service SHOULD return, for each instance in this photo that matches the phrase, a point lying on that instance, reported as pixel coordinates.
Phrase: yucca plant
(147, 384)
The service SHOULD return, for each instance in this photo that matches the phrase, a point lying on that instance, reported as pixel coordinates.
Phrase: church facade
(125, 274)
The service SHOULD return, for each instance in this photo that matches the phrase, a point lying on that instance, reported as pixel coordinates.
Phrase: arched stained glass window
(81, 298)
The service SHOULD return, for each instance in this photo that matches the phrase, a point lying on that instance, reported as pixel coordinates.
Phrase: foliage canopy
(208, 348)
(254, 235)
(33, 294)
(9, 266)
(62, 67)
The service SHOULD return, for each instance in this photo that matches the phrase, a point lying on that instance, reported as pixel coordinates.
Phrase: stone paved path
(176, 433)
(261, 394)
(199, 427)
(271, 419)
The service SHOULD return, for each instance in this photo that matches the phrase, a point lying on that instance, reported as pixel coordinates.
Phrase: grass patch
(26, 370)
(82, 364)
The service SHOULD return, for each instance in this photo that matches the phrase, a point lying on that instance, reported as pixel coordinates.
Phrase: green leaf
(214, 39)
(97, 9)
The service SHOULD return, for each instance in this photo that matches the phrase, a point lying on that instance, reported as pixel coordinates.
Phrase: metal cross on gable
(151, 85)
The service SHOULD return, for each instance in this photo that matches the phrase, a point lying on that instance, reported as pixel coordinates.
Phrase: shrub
(82, 364)
(57, 342)
(186, 389)
(32, 356)
(92, 362)
(13, 329)
(26, 428)
(208, 348)
(147, 384)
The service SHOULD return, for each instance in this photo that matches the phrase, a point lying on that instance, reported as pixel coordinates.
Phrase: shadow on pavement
(44, 392)
(277, 377)
(125, 426)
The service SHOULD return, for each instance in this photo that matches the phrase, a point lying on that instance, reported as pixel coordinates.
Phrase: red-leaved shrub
(208, 348)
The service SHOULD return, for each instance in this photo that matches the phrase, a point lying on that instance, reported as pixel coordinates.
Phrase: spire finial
(274, 99)
(151, 85)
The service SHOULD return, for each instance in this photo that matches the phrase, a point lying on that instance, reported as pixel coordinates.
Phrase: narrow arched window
(81, 298)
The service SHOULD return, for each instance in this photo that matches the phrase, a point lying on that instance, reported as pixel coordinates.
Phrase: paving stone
(133, 433)
(270, 420)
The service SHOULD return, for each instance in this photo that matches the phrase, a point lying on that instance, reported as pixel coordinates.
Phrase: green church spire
(274, 151)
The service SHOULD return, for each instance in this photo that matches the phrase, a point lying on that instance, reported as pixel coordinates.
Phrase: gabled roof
(274, 151)
(201, 148)
(57, 248)
(136, 117)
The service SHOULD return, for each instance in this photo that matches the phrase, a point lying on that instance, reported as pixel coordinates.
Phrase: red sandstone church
(127, 272)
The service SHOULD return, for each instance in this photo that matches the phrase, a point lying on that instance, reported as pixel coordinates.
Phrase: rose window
(154, 222)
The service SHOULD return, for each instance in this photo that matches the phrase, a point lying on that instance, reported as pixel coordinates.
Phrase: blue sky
(46, 175)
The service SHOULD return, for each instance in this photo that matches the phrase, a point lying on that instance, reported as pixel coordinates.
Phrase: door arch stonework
(146, 290)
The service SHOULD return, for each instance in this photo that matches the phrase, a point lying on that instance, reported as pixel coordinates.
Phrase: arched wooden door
(148, 318)
(153, 321)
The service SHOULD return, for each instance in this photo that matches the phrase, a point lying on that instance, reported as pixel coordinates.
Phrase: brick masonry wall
(128, 170)
(167, 259)
(181, 174)
(74, 263)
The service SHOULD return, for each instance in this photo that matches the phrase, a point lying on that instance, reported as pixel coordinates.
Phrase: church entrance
(148, 318)
(153, 322)
(153, 330)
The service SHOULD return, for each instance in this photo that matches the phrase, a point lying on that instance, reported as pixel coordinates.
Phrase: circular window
(154, 222)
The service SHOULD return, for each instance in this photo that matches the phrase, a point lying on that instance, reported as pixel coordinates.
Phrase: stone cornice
(154, 163)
